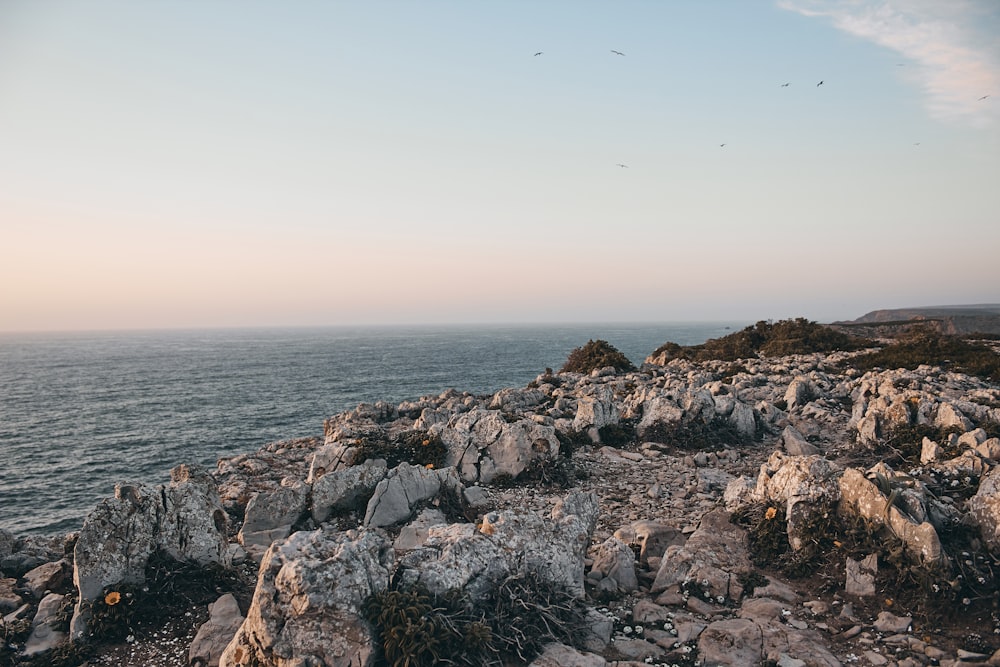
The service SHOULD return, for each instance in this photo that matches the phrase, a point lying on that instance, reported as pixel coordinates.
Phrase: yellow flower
(770, 513)
(430, 466)
(112, 598)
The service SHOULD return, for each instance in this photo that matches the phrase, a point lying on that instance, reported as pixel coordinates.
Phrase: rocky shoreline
(779, 511)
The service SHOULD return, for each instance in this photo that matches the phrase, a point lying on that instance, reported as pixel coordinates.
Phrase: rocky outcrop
(307, 606)
(215, 634)
(183, 519)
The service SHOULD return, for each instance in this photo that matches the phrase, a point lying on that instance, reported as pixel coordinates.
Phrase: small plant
(596, 354)
(415, 447)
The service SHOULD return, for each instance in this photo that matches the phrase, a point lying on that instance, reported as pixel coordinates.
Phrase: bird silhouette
(623, 166)
(819, 84)
(785, 85)
(539, 53)
(721, 145)
(617, 53)
(983, 98)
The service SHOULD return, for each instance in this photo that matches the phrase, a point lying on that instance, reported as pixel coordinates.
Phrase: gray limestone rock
(415, 533)
(216, 633)
(47, 577)
(800, 391)
(890, 623)
(306, 609)
(862, 497)
(949, 416)
(984, 508)
(807, 485)
(744, 418)
(9, 598)
(482, 444)
(183, 519)
(560, 655)
(44, 633)
(346, 489)
(652, 538)
(659, 414)
(796, 444)
(270, 516)
(615, 560)
(403, 488)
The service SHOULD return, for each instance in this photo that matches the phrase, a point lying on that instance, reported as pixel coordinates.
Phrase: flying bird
(539, 53)
(983, 98)
(785, 85)
(721, 145)
(819, 84)
(623, 166)
(617, 53)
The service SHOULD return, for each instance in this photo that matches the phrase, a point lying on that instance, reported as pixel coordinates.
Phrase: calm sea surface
(80, 412)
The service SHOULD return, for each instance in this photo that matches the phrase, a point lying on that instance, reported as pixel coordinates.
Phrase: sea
(80, 412)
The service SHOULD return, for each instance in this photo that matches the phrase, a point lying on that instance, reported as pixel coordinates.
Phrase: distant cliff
(982, 318)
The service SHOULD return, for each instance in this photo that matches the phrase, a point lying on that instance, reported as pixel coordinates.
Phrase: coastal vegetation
(925, 346)
(596, 354)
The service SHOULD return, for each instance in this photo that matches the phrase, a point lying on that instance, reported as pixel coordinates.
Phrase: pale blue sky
(179, 164)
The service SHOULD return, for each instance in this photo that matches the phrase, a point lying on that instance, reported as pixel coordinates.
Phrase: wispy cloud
(951, 45)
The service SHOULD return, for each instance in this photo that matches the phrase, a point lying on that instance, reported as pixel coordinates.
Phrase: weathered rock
(47, 577)
(796, 444)
(482, 444)
(270, 516)
(736, 642)
(652, 538)
(459, 556)
(7, 543)
(948, 416)
(930, 451)
(346, 489)
(860, 496)
(306, 608)
(216, 633)
(807, 485)
(9, 599)
(713, 558)
(744, 419)
(659, 415)
(800, 391)
(984, 508)
(330, 457)
(184, 519)
(890, 623)
(45, 634)
(560, 655)
(403, 488)
(861, 576)
(415, 533)
(516, 400)
(615, 560)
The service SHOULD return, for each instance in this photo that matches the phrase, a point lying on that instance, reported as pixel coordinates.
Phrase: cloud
(951, 47)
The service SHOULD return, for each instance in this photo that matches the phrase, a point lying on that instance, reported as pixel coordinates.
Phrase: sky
(221, 163)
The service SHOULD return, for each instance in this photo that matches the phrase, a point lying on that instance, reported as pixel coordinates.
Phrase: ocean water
(81, 412)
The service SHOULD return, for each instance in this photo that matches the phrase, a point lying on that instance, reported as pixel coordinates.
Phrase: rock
(598, 631)
(860, 496)
(7, 543)
(44, 633)
(989, 449)
(307, 606)
(736, 642)
(796, 444)
(596, 410)
(216, 633)
(638, 650)
(459, 556)
(47, 577)
(861, 576)
(9, 598)
(482, 444)
(744, 419)
(184, 519)
(328, 458)
(930, 451)
(404, 487)
(713, 557)
(799, 392)
(516, 400)
(659, 415)
(560, 655)
(615, 560)
(346, 489)
(984, 508)
(890, 623)
(652, 538)
(948, 416)
(270, 516)
(415, 533)
(646, 612)
(807, 485)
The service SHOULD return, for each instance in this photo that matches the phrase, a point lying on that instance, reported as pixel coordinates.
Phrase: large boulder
(215, 633)
(397, 496)
(346, 489)
(460, 556)
(307, 608)
(806, 485)
(659, 415)
(482, 444)
(184, 520)
(596, 409)
(984, 507)
(270, 515)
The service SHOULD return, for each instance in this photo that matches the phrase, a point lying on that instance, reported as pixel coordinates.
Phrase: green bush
(769, 339)
(596, 354)
(926, 346)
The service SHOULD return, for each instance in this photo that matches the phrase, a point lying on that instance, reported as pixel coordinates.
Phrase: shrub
(770, 339)
(718, 433)
(415, 447)
(926, 346)
(596, 354)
